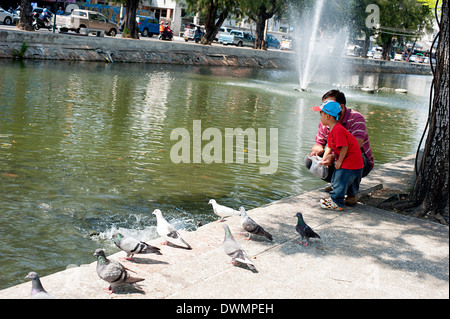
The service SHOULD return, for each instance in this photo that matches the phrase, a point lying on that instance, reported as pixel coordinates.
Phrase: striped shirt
(355, 123)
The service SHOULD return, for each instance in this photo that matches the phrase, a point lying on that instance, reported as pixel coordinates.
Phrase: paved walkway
(364, 253)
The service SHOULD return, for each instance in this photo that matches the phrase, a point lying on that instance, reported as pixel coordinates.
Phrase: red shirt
(339, 137)
(355, 123)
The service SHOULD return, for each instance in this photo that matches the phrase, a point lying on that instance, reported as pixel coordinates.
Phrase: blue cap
(330, 107)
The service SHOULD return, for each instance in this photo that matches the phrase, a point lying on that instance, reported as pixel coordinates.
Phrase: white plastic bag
(318, 169)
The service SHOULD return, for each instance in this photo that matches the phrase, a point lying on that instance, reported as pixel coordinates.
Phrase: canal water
(86, 148)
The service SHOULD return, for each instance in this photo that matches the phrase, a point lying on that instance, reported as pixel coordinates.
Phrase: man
(355, 123)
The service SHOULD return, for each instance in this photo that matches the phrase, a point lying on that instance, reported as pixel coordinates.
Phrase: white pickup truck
(85, 19)
(238, 38)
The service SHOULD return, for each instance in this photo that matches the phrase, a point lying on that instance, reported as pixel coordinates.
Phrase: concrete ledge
(68, 46)
(364, 253)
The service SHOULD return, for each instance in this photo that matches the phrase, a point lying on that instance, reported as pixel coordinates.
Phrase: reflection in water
(85, 149)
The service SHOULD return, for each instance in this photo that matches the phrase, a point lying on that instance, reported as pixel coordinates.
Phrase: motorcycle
(166, 35)
(39, 23)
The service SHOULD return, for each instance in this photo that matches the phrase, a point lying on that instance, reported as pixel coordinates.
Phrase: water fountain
(319, 48)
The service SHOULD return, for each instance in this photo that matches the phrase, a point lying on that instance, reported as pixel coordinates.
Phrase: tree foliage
(404, 20)
(260, 11)
(213, 12)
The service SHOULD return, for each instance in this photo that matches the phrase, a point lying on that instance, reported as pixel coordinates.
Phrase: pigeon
(167, 232)
(133, 246)
(222, 211)
(232, 248)
(304, 230)
(251, 226)
(113, 272)
(37, 291)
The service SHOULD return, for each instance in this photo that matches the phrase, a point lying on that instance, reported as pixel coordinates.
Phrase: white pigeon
(167, 232)
(37, 291)
(222, 211)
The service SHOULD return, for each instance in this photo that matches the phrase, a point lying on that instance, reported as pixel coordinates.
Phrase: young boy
(349, 162)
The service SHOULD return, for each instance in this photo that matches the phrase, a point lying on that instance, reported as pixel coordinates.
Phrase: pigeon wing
(310, 233)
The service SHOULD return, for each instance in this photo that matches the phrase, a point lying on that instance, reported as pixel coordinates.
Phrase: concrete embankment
(55, 46)
(364, 252)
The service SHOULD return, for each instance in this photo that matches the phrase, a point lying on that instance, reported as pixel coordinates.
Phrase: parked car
(238, 38)
(6, 17)
(398, 57)
(377, 55)
(91, 20)
(222, 30)
(287, 43)
(148, 26)
(272, 42)
(419, 58)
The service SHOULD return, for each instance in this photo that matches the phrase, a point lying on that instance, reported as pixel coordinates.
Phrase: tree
(430, 192)
(26, 19)
(214, 13)
(359, 25)
(260, 11)
(131, 27)
(405, 18)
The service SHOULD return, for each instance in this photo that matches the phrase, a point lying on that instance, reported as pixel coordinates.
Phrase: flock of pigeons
(116, 274)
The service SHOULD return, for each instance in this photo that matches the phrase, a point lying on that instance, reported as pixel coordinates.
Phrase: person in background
(60, 11)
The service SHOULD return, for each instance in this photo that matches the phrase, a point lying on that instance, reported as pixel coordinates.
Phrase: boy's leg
(355, 181)
(339, 185)
(353, 188)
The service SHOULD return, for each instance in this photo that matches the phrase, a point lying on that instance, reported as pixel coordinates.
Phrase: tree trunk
(260, 41)
(25, 16)
(366, 44)
(133, 29)
(387, 48)
(430, 191)
(211, 25)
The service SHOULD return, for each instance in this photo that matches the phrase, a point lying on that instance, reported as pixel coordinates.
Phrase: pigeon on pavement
(37, 291)
(167, 232)
(232, 248)
(304, 230)
(113, 272)
(251, 226)
(222, 211)
(133, 246)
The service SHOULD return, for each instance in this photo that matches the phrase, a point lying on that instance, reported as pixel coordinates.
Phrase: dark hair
(337, 95)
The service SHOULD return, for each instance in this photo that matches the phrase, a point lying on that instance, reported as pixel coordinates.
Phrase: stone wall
(50, 46)
(55, 46)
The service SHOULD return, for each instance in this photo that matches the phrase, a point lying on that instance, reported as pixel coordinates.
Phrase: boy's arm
(342, 155)
(326, 159)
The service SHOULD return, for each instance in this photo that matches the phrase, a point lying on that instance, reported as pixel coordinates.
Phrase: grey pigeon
(304, 230)
(167, 232)
(133, 246)
(112, 271)
(37, 291)
(251, 226)
(232, 248)
(222, 211)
